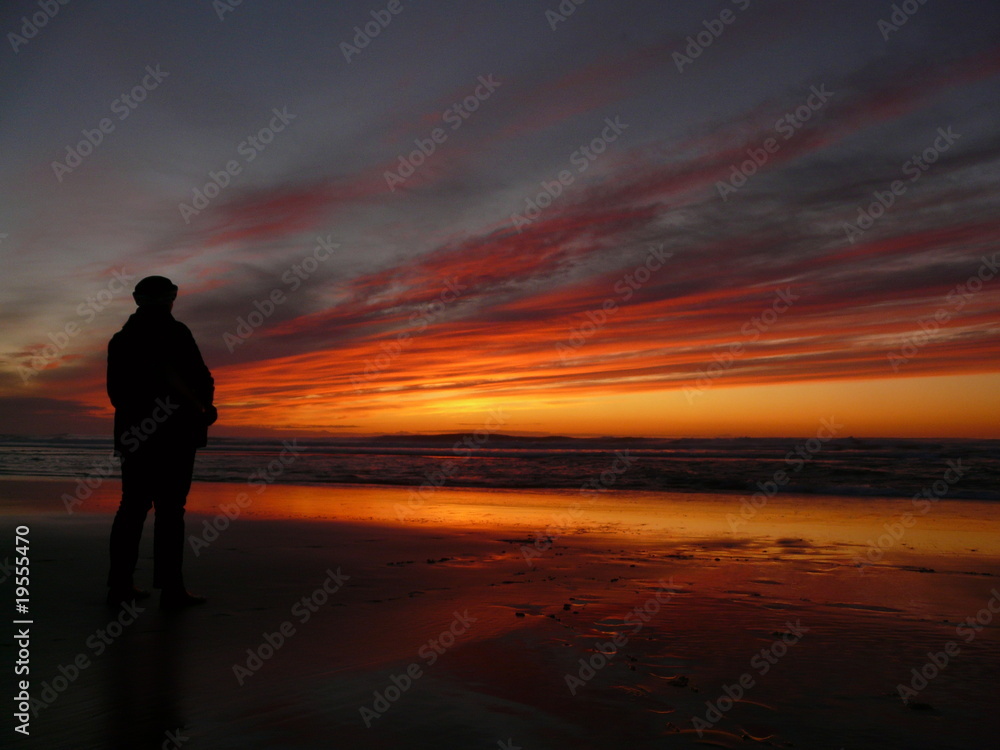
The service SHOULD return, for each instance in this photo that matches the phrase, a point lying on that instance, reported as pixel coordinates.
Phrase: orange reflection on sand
(788, 525)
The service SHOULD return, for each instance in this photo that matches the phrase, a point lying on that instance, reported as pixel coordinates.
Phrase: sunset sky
(606, 227)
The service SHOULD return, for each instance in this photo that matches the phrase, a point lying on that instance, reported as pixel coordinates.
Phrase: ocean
(846, 467)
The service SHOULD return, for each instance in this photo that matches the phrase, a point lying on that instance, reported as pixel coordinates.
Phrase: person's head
(155, 291)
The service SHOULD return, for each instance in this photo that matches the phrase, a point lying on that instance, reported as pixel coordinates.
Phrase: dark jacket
(158, 384)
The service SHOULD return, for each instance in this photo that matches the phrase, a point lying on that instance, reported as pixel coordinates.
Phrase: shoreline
(493, 489)
(623, 630)
(886, 468)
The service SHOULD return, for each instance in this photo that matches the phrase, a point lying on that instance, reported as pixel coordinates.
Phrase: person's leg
(168, 530)
(126, 530)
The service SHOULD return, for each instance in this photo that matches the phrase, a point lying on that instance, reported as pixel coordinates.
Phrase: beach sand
(772, 634)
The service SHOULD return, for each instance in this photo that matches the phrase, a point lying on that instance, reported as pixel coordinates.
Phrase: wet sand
(486, 619)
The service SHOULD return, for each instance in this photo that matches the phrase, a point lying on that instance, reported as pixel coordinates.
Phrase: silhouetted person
(162, 393)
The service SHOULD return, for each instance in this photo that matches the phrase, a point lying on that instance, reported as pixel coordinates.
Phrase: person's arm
(191, 378)
(120, 383)
(113, 378)
(179, 384)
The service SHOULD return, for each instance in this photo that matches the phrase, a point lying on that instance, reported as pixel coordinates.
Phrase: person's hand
(211, 414)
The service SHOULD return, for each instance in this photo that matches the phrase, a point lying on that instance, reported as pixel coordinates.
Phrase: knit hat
(155, 290)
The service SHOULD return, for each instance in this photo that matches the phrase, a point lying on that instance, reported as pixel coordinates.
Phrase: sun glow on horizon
(943, 406)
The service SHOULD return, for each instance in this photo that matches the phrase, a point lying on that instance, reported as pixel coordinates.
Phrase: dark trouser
(157, 477)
